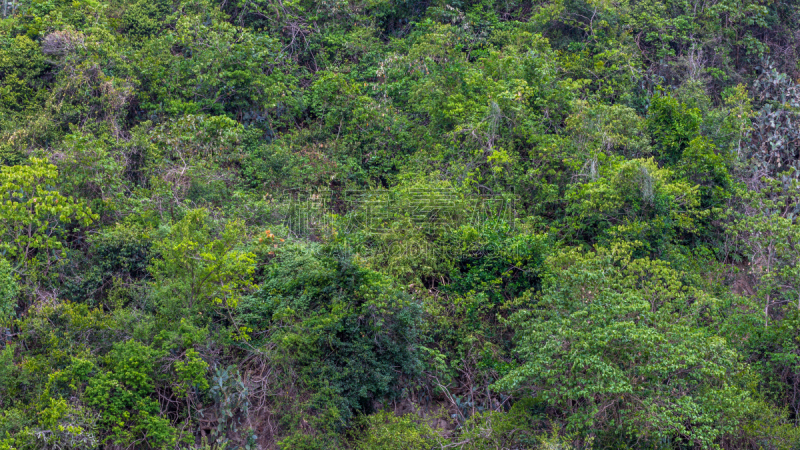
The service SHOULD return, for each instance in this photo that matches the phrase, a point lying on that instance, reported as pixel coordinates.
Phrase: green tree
(8, 291)
(672, 125)
(123, 393)
(634, 200)
(34, 215)
(615, 345)
(200, 269)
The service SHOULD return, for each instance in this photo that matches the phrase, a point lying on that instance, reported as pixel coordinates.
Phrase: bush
(8, 292)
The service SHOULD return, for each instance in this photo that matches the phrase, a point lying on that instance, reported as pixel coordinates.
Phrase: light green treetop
(199, 268)
(33, 214)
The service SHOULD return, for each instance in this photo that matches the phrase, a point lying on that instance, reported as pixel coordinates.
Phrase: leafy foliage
(33, 211)
(639, 368)
(389, 224)
(197, 269)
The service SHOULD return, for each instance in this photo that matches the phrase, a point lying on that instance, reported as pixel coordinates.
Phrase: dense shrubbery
(391, 224)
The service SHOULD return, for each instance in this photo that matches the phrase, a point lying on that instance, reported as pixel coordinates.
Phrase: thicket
(393, 224)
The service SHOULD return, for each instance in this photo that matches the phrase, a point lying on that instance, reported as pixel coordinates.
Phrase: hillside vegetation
(397, 224)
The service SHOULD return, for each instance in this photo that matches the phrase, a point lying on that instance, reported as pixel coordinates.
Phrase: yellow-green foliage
(34, 214)
(198, 269)
(386, 431)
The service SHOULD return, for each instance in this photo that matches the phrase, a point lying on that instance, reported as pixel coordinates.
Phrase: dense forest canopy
(395, 224)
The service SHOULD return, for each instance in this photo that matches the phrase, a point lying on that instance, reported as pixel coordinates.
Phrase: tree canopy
(393, 224)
